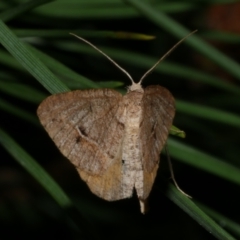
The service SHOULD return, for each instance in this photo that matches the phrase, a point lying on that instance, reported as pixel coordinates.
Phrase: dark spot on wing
(121, 125)
(82, 131)
(78, 139)
(153, 128)
(90, 108)
(110, 155)
(154, 135)
(123, 161)
(153, 131)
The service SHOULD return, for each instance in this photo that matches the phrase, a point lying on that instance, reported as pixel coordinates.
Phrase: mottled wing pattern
(109, 185)
(158, 113)
(85, 126)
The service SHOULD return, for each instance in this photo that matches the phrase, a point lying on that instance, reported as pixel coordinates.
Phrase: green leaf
(221, 36)
(31, 165)
(145, 61)
(110, 84)
(208, 113)
(196, 213)
(164, 21)
(47, 182)
(18, 10)
(223, 220)
(104, 9)
(23, 114)
(71, 78)
(177, 132)
(22, 91)
(203, 161)
(46, 33)
(29, 61)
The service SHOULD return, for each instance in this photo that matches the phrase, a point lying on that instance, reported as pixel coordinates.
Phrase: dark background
(28, 211)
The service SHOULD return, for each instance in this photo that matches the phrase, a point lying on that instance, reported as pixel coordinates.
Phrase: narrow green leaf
(178, 30)
(48, 183)
(196, 213)
(104, 9)
(226, 37)
(110, 84)
(21, 113)
(8, 60)
(145, 61)
(222, 220)
(201, 160)
(208, 113)
(18, 10)
(29, 61)
(72, 79)
(177, 132)
(22, 91)
(46, 33)
(31, 165)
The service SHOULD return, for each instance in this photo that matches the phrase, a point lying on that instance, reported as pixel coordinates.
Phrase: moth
(113, 140)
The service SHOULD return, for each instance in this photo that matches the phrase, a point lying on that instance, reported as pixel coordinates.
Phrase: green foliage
(36, 45)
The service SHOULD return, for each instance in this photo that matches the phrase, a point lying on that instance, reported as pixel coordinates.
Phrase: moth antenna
(172, 174)
(165, 55)
(104, 54)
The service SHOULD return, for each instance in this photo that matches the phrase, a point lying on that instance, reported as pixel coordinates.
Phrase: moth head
(135, 86)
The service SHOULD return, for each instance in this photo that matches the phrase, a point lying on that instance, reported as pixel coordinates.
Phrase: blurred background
(41, 194)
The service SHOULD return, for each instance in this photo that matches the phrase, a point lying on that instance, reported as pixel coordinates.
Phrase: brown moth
(114, 141)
